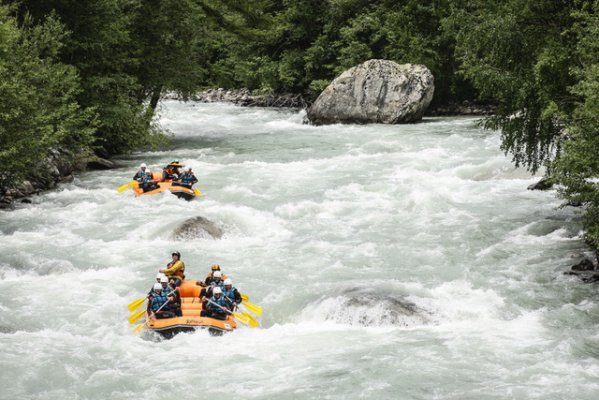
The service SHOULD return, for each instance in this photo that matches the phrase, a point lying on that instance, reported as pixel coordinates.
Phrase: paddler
(187, 179)
(231, 295)
(171, 171)
(156, 301)
(148, 183)
(139, 175)
(216, 307)
(175, 270)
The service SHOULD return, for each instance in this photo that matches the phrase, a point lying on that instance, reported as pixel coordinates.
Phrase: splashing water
(392, 262)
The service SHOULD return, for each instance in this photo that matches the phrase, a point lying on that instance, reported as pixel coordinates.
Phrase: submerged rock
(378, 91)
(367, 307)
(585, 270)
(198, 227)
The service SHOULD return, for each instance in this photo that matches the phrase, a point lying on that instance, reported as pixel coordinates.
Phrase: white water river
(393, 262)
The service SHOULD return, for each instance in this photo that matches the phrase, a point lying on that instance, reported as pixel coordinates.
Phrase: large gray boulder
(196, 228)
(378, 91)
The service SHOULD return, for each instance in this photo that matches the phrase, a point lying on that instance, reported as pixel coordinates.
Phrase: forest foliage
(89, 74)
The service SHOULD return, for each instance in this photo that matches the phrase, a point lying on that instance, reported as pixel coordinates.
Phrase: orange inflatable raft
(179, 191)
(191, 307)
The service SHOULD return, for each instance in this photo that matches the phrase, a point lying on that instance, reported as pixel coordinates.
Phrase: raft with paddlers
(191, 318)
(149, 183)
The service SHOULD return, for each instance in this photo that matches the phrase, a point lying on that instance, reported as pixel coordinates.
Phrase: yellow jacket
(175, 270)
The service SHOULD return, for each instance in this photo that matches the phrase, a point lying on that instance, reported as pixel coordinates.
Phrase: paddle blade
(241, 318)
(136, 316)
(255, 308)
(197, 192)
(139, 328)
(126, 186)
(244, 297)
(135, 304)
(253, 322)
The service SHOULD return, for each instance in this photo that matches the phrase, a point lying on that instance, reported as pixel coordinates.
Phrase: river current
(392, 262)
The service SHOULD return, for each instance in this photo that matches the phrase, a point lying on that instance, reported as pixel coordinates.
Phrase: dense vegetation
(88, 74)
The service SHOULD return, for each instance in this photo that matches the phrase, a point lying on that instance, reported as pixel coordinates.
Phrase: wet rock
(7, 329)
(198, 227)
(244, 97)
(543, 184)
(586, 270)
(26, 201)
(376, 91)
(584, 265)
(99, 163)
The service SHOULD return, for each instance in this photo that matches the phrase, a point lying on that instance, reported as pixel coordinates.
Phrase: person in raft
(156, 302)
(174, 305)
(231, 295)
(187, 178)
(213, 280)
(216, 307)
(171, 171)
(175, 270)
(148, 183)
(140, 173)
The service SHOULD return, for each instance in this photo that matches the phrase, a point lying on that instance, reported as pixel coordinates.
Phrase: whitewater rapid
(393, 262)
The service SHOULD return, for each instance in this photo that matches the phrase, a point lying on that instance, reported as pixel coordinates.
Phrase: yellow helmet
(215, 267)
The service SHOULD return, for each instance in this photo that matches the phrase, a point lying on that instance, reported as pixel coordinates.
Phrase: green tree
(39, 108)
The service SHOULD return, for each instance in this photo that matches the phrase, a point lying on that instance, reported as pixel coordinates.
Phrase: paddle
(135, 304)
(244, 297)
(197, 192)
(240, 317)
(252, 322)
(255, 308)
(126, 186)
(136, 316)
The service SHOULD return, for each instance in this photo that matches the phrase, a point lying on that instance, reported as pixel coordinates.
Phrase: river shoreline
(246, 98)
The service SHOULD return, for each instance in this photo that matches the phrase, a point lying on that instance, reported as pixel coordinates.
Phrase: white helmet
(143, 165)
(186, 169)
(157, 286)
(164, 279)
(228, 282)
(148, 171)
(217, 274)
(159, 275)
(217, 290)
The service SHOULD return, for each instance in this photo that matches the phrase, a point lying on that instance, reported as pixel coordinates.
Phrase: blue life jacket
(158, 300)
(188, 179)
(230, 295)
(220, 301)
(220, 284)
(139, 175)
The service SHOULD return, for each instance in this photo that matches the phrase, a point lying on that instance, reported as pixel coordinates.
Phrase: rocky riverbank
(58, 166)
(245, 98)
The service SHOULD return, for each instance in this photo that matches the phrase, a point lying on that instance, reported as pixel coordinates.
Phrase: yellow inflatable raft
(191, 307)
(179, 191)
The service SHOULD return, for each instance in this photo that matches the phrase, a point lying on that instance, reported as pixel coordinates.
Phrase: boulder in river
(198, 227)
(377, 91)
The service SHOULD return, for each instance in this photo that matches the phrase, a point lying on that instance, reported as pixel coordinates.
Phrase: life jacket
(176, 270)
(139, 175)
(158, 300)
(220, 301)
(146, 180)
(188, 179)
(230, 294)
(213, 283)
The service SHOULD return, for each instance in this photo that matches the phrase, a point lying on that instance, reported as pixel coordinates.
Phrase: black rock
(543, 184)
(584, 265)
